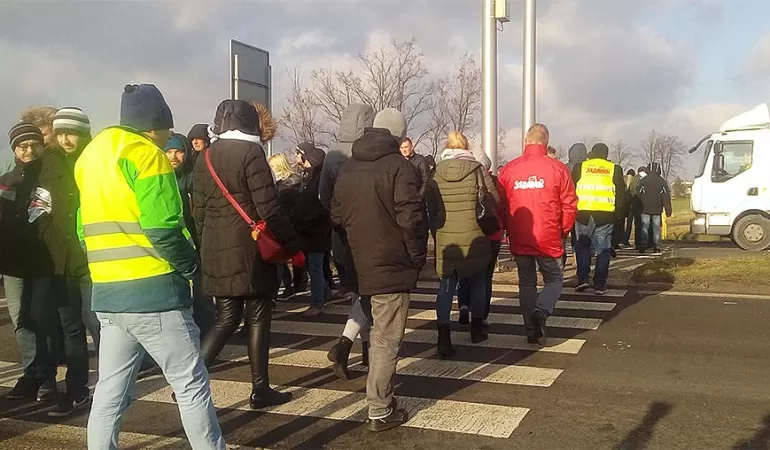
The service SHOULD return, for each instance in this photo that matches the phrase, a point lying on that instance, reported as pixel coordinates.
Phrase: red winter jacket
(539, 202)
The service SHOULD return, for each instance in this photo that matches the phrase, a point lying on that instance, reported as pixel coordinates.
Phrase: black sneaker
(68, 405)
(656, 250)
(287, 293)
(582, 287)
(24, 388)
(396, 418)
(600, 291)
(531, 340)
(538, 320)
(464, 317)
(47, 391)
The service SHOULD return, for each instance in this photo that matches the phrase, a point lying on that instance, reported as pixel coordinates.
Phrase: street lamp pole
(489, 82)
(528, 78)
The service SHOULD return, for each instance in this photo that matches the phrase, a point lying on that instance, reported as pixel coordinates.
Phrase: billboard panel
(250, 74)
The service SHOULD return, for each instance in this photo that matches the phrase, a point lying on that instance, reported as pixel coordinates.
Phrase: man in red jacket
(539, 204)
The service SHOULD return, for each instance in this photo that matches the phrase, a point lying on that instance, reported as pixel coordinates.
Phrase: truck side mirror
(717, 148)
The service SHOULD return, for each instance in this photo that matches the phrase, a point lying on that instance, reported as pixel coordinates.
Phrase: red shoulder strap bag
(269, 248)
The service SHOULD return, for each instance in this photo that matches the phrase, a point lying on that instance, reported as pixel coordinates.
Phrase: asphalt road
(623, 372)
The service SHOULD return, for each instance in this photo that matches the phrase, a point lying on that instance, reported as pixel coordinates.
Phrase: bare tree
(622, 154)
(391, 76)
(455, 105)
(666, 150)
(301, 116)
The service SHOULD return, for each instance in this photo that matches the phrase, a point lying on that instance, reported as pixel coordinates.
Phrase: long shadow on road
(760, 440)
(640, 436)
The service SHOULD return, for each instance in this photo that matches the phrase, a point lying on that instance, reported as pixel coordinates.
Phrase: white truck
(731, 190)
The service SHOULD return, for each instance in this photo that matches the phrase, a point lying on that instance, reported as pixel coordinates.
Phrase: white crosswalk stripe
(297, 340)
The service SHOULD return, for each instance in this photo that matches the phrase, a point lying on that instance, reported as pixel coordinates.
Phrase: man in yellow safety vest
(601, 200)
(141, 262)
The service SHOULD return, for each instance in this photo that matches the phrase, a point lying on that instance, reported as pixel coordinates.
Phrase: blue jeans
(477, 291)
(172, 339)
(463, 292)
(89, 316)
(318, 286)
(598, 237)
(655, 220)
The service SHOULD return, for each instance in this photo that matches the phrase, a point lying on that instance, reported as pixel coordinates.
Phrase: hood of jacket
(456, 169)
(577, 154)
(392, 120)
(655, 168)
(236, 115)
(355, 119)
(375, 143)
(189, 156)
(199, 131)
(314, 155)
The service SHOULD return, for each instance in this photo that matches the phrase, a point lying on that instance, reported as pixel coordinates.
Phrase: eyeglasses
(27, 146)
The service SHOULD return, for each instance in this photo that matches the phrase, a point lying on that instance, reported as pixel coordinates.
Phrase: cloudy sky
(607, 69)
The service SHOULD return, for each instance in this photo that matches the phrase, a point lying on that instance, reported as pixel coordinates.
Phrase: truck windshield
(706, 146)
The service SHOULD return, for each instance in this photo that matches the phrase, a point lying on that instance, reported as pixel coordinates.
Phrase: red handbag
(269, 248)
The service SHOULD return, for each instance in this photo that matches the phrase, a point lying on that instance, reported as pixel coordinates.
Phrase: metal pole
(236, 77)
(528, 78)
(489, 82)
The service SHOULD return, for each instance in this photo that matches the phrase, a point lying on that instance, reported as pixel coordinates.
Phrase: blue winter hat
(174, 142)
(144, 108)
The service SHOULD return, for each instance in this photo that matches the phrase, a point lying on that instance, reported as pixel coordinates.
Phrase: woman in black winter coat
(233, 270)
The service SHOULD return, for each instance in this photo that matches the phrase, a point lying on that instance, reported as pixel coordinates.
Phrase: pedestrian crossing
(504, 364)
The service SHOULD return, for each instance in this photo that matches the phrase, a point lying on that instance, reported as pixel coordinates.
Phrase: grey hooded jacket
(354, 119)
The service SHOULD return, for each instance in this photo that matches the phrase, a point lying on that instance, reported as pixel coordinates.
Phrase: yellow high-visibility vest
(117, 248)
(595, 189)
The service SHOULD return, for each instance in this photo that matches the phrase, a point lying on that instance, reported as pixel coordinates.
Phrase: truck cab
(731, 190)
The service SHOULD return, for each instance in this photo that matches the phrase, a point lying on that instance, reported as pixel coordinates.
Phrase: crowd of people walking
(146, 238)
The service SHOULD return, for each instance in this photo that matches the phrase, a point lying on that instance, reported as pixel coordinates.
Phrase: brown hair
(42, 116)
(267, 126)
(537, 134)
(406, 139)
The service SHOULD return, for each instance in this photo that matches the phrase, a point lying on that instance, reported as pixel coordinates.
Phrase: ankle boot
(478, 331)
(339, 355)
(444, 347)
(262, 397)
(365, 353)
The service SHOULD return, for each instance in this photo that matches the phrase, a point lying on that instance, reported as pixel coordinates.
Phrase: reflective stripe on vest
(117, 247)
(595, 189)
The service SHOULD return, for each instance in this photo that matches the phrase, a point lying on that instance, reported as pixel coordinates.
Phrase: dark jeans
(598, 237)
(47, 320)
(318, 283)
(463, 291)
(618, 231)
(553, 277)
(477, 289)
(296, 277)
(74, 334)
(630, 221)
(328, 275)
(651, 226)
(204, 313)
(89, 316)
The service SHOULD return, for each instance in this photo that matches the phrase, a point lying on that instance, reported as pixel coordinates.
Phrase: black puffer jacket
(377, 203)
(232, 266)
(22, 252)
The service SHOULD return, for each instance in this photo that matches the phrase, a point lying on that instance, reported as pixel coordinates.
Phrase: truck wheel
(752, 233)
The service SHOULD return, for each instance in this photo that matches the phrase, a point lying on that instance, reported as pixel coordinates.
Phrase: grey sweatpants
(389, 313)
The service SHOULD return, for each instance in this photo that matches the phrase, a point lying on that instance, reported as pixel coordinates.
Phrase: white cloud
(757, 64)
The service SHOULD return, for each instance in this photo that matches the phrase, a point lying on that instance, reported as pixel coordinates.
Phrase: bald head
(537, 134)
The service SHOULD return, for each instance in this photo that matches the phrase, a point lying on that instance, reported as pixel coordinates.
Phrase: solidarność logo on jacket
(531, 183)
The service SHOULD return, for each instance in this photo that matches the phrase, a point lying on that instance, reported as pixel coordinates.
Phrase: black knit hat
(24, 131)
(143, 107)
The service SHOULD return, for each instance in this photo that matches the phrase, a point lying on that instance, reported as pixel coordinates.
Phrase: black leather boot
(338, 356)
(478, 331)
(365, 353)
(258, 313)
(444, 347)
